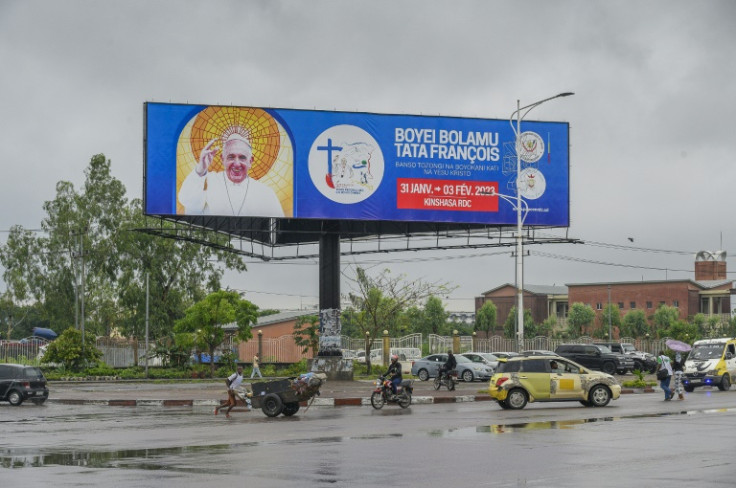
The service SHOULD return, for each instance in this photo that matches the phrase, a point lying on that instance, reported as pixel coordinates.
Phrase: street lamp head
(566, 94)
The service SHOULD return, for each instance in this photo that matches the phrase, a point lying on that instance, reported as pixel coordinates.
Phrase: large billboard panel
(306, 164)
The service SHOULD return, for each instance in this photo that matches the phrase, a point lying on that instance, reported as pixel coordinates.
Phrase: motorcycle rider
(449, 365)
(394, 374)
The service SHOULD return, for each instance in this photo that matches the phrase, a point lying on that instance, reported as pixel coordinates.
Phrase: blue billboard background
(363, 166)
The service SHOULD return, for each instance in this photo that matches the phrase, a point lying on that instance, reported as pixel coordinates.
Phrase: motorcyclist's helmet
(394, 357)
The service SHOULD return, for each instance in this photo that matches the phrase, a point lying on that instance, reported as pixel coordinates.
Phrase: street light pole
(610, 337)
(519, 220)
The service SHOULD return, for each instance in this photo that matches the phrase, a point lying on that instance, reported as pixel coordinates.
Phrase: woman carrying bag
(664, 373)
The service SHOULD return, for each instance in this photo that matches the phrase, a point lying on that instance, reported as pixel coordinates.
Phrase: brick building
(709, 293)
(543, 301)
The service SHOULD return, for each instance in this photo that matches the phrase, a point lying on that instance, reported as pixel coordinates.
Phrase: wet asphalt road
(637, 440)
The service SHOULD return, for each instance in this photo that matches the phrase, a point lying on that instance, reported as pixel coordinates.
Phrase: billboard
(307, 164)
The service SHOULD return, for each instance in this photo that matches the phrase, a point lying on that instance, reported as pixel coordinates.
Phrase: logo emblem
(346, 164)
(530, 147)
(531, 183)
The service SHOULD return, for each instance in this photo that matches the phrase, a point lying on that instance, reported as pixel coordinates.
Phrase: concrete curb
(317, 402)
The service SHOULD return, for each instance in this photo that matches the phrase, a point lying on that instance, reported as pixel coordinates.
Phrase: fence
(121, 353)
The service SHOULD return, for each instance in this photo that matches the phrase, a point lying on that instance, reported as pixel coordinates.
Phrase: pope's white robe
(225, 198)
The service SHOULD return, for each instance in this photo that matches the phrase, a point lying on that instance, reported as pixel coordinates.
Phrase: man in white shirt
(233, 383)
(231, 192)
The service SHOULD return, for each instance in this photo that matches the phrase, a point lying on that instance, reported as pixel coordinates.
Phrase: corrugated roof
(276, 318)
(536, 289)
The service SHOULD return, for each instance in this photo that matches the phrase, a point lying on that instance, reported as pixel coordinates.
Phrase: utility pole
(146, 353)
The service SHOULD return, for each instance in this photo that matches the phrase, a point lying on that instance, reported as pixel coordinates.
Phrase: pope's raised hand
(205, 158)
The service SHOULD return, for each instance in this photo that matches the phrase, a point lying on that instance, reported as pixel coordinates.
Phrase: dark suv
(643, 361)
(595, 356)
(19, 383)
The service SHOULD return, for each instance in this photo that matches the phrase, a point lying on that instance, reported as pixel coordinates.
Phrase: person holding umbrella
(679, 365)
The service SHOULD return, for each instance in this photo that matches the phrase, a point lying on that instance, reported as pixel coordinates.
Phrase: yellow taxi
(523, 379)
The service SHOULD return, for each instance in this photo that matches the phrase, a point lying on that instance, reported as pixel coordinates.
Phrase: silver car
(467, 370)
(482, 357)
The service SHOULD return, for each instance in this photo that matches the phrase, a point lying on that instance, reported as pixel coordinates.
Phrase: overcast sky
(651, 122)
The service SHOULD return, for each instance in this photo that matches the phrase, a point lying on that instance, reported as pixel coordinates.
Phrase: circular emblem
(346, 164)
(530, 147)
(532, 184)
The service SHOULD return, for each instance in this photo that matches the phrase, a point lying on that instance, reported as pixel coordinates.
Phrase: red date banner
(431, 194)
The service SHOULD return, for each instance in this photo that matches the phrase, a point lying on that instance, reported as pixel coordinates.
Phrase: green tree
(435, 316)
(485, 318)
(664, 317)
(634, 324)
(202, 323)
(67, 349)
(180, 273)
(96, 233)
(611, 311)
(509, 327)
(377, 302)
(579, 318)
(306, 334)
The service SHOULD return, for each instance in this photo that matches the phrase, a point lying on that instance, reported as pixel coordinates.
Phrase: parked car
(538, 352)
(524, 379)
(482, 357)
(504, 354)
(595, 356)
(428, 367)
(643, 361)
(19, 383)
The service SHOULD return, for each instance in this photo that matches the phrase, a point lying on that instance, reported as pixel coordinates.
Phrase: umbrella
(678, 346)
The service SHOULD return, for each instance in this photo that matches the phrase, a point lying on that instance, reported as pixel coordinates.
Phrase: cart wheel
(272, 405)
(291, 408)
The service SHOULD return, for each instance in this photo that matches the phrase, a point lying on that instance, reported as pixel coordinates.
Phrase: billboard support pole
(519, 220)
(329, 288)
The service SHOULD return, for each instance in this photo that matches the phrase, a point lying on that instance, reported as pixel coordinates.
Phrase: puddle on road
(170, 458)
(569, 424)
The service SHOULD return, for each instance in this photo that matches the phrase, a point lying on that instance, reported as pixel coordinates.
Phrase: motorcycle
(447, 379)
(383, 393)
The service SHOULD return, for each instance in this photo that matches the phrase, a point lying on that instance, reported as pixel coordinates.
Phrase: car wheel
(15, 398)
(638, 365)
(689, 388)
(38, 401)
(290, 408)
(272, 405)
(423, 374)
(653, 369)
(599, 396)
(608, 367)
(468, 376)
(517, 399)
(377, 400)
(725, 383)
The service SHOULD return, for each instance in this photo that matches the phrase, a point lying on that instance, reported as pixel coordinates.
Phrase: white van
(712, 362)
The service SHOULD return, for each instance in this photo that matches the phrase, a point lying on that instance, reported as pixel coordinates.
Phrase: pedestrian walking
(233, 383)
(664, 374)
(678, 367)
(256, 368)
